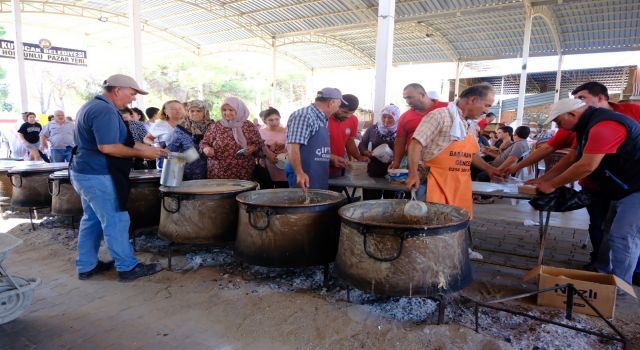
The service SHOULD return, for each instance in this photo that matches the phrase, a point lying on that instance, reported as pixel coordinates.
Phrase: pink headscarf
(242, 113)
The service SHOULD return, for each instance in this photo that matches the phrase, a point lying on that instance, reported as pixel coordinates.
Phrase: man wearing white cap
(100, 168)
(608, 155)
(594, 94)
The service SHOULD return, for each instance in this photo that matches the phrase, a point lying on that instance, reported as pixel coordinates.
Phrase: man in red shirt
(343, 128)
(420, 105)
(488, 119)
(608, 156)
(593, 94)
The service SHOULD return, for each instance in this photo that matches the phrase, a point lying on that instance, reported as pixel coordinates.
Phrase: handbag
(561, 200)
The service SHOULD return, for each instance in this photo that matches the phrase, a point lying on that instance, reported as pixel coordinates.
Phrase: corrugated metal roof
(614, 78)
(459, 29)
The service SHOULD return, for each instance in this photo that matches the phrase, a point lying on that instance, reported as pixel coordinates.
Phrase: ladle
(415, 208)
(307, 199)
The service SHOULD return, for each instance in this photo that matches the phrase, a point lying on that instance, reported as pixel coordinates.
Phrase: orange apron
(449, 179)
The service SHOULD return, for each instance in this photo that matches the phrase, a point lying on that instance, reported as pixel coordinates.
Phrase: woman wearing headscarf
(188, 134)
(232, 144)
(383, 132)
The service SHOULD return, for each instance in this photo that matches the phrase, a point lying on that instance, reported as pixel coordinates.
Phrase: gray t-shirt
(60, 136)
(516, 149)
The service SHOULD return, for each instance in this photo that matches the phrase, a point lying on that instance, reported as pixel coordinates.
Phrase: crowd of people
(443, 145)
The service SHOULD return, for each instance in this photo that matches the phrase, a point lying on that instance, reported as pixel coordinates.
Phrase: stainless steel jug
(173, 168)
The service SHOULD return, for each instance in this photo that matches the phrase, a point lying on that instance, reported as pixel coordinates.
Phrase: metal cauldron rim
(338, 199)
(144, 175)
(59, 175)
(38, 168)
(246, 186)
(408, 229)
(8, 164)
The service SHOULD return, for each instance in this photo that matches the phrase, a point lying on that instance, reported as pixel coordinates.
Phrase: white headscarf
(242, 113)
(393, 110)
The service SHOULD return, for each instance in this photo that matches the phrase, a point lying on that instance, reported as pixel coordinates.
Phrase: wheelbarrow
(16, 293)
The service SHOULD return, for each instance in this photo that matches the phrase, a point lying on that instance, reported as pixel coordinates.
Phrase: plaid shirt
(433, 132)
(304, 123)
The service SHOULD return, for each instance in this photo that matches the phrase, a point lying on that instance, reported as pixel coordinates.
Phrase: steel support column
(501, 99)
(384, 54)
(19, 52)
(136, 46)
(558, 79)
(525, 57)
(456, 90)
(274, 83)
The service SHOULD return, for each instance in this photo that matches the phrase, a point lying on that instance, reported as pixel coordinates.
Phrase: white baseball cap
(563, 106)
(125, 81)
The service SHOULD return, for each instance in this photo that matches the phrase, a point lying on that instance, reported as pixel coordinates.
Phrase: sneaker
(101, 266)
(140, 270)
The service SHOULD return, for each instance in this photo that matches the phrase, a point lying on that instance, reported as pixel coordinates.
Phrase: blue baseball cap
(331, 93)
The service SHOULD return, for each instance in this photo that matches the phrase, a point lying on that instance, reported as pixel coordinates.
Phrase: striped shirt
(434, 132)
(304, 123)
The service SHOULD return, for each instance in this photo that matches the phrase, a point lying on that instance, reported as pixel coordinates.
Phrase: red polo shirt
(409, 121)
(339, 133)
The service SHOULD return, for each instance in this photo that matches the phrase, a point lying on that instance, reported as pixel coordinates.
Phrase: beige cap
(563, 106)
(125, 81)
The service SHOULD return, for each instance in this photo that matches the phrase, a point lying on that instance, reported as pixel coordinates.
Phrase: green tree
(87, 88)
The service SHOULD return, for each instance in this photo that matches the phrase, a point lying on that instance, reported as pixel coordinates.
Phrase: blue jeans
(624, 238)
(61, 154)
(102, 218)
(597, 209)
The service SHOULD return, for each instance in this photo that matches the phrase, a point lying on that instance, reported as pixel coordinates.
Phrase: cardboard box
(527, 189)
(600, 289)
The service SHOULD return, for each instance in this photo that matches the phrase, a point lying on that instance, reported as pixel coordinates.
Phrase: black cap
(350, 102)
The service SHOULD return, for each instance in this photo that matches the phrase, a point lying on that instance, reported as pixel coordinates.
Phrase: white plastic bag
(383, 152)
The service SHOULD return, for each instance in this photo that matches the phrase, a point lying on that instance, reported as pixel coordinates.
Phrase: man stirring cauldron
(99, 172)
(447, 147)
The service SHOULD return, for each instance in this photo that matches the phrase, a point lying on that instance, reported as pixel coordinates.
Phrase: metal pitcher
(173, 168)
(172, 171)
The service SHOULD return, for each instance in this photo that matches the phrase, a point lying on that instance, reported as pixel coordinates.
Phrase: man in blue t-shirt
(100, 173)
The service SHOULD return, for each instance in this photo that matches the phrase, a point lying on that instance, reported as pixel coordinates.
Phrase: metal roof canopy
(425, 30)
(614, 78)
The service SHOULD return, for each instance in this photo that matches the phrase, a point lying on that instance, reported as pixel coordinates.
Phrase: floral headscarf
(242, 113)
(199, 127)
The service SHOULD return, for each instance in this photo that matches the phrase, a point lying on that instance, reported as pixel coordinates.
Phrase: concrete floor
(219, 308)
